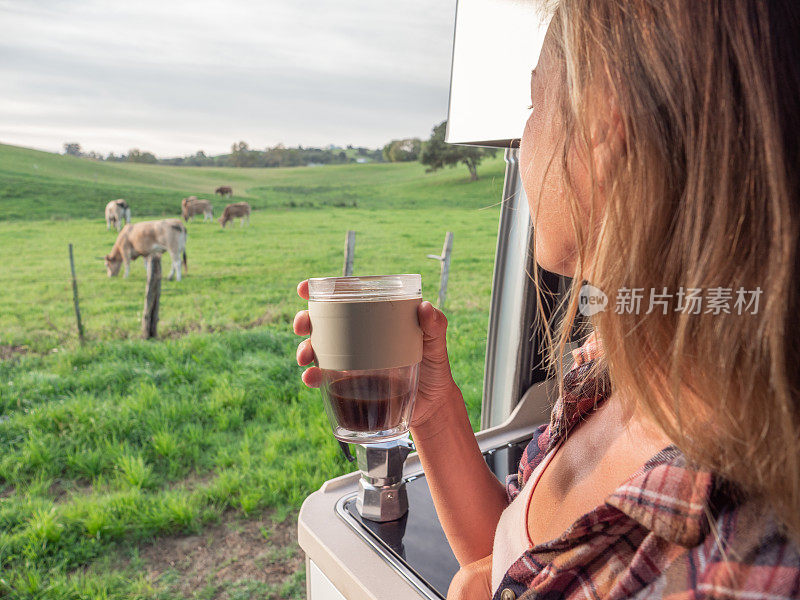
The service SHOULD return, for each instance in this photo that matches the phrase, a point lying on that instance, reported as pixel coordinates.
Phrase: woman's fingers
(312, 377)
(302, 323)
(305, 353)
(302, 289)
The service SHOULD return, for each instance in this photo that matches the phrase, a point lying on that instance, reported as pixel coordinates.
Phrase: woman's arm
(467, 495)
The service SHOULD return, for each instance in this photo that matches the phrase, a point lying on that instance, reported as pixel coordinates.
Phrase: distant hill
(43, 185)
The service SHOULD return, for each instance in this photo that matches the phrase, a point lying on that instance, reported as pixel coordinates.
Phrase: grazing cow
(237, 210)
(225, 191)
(191, 206)
(146, 238)
(117, 213)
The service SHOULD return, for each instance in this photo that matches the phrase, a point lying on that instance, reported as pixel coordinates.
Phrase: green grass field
(118, 452)
(38, 185)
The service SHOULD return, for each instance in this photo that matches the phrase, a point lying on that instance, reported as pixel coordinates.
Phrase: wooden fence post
(444, 259)
(75, 295)
(349, 253)
(152, 295)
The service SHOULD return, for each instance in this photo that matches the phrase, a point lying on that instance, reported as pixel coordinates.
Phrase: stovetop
(415, 545)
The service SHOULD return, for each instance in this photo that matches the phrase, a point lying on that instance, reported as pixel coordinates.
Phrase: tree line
(434, 153)
(241, 155)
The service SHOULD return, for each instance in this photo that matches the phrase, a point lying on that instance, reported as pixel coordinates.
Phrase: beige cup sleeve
(365, 335)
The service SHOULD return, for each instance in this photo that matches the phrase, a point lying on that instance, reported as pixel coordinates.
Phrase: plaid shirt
(653, 537)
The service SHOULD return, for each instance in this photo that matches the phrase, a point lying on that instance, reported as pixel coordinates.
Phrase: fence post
(349, 252)
(444, 259)
(75, 295)
(152, 295)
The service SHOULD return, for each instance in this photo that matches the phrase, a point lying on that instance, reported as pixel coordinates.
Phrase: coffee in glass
(368, 344)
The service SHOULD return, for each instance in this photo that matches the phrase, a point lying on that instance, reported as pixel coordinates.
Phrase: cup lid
(365, 288)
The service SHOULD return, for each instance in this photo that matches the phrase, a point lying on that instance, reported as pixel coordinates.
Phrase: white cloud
(175, 76)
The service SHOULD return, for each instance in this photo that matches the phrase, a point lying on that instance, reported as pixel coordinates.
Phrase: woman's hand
(436, 385)
(473, 581)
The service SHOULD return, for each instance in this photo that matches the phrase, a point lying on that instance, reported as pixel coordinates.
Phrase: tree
(137, 156)
(402, 150)
(437, 154)
(241, 155)
(72, 148)
(198, 159)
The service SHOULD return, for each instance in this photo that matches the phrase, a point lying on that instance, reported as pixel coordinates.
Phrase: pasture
(174, 469)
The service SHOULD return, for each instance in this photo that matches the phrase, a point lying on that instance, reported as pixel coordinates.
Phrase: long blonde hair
(705, 196)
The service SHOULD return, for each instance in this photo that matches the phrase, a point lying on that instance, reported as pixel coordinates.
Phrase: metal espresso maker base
(382, 494)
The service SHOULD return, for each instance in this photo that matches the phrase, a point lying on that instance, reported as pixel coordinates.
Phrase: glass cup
(368, 345)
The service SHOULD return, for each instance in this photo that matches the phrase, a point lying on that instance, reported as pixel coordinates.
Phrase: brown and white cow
(117, 213)
(191, 206)
(237, 210)
(224, 190)
(146, 238)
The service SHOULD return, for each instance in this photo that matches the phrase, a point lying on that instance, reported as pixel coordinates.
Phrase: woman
(660, 156)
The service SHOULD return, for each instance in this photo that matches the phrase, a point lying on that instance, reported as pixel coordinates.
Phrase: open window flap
(496, 46)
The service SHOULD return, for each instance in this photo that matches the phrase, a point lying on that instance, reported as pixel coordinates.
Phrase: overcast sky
(176, 76)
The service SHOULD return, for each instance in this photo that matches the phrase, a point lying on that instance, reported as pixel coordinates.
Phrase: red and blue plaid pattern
(671, 531)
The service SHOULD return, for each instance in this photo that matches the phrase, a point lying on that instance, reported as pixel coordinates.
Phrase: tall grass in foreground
(109, 446)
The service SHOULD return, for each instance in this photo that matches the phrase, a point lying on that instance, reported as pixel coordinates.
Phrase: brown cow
(146, 238)
(237, 210)
(191, 206)
(117, 213)
(224, 191)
